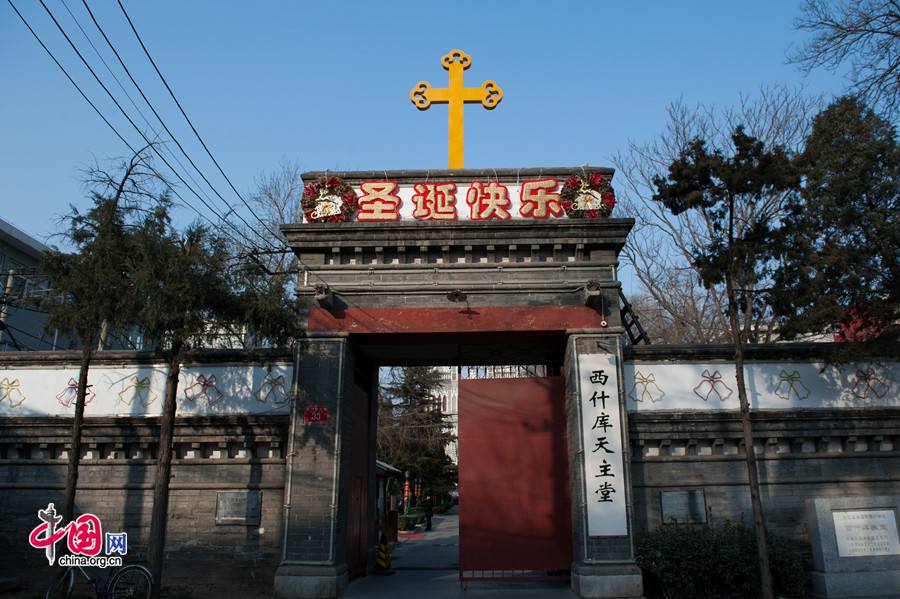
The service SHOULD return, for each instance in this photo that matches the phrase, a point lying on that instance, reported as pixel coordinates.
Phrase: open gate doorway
(513, 519)
(514, 512)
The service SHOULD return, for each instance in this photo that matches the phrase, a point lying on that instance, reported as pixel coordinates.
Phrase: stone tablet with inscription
(683, 507)
(855, 549)
(238, 507)
(866, 533)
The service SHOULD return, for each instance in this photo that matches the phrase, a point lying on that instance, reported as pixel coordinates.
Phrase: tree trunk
(163, 474)
(762, 548)
(104, 331)
(75, 444)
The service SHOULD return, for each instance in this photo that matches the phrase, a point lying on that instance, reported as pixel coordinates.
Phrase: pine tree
(839, 252)
(413, 432)
(716, 183)
(92, 292)
(191, 292)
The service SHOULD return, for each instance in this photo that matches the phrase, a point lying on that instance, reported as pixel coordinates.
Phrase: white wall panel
(655, 386)
(139, 390)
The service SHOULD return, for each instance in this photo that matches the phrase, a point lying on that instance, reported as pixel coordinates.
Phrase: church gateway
(617, 439)
(275, 457)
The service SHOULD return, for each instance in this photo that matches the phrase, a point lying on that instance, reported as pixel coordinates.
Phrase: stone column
(603, 564)
(315, 514)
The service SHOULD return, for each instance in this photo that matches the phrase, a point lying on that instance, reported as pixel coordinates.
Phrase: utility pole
(4, 307)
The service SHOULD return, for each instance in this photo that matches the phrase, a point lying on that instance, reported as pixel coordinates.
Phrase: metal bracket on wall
(324, 296)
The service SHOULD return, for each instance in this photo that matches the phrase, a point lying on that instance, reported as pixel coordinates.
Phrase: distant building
(20, 258)
(22, 284)
(448, 394)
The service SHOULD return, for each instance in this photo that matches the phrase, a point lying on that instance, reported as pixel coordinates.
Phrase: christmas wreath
(328, 199)
(589, 196)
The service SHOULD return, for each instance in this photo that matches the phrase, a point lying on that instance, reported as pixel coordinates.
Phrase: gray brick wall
(212, 454)
(802, 454)
(316, 524)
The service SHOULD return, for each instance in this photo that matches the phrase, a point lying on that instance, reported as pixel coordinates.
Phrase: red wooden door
(513, 475)
(357, 515)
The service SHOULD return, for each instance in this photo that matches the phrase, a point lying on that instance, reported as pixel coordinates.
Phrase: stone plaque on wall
(683, 507)
(866, 533)
(238, 507)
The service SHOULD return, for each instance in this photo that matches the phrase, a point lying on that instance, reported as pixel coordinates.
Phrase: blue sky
(326, 84)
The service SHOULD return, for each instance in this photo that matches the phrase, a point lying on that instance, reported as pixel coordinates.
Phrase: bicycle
(131, 581)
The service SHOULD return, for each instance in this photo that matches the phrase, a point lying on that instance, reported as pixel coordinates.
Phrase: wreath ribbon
(67, 396)
(269, 388)
(138, 385)
(595, 184)
(202, 387)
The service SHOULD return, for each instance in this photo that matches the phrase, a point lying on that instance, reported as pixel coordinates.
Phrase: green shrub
(409, 521)
(710, 562)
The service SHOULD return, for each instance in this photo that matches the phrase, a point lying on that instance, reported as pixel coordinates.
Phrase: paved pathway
(427, 565)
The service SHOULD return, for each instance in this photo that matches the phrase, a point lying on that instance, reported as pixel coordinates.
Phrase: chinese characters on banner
(601, 436)
(382, 201)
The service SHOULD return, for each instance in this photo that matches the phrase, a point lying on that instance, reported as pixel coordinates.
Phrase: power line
(119, 135)
(23, 332)
(66, 73)
(94, 106)
(88, 100)
(4, 328)
(162, 122)
(131, 121)
(194, 129)
(127, 95)
(174, 191)
(13, 304)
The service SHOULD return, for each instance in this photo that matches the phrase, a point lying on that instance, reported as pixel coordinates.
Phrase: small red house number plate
(315, 414)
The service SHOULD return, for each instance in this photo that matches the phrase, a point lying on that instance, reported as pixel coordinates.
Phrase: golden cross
(456, 94)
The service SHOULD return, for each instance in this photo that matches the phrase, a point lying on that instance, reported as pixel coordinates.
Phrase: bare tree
(723, 187)
(863, 33)
(275, 201)
(660, 249)
(685, 313)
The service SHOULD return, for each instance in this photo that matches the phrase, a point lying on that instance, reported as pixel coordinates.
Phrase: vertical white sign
(601, 439)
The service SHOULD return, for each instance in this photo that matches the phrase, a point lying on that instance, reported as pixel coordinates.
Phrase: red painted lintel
(472, 319)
